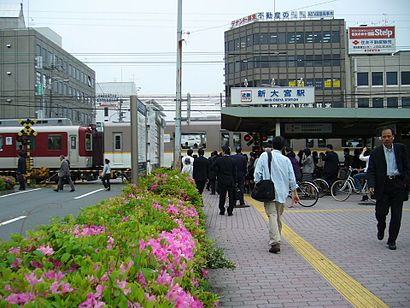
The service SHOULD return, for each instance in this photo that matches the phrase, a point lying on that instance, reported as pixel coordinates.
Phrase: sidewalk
(330, 257)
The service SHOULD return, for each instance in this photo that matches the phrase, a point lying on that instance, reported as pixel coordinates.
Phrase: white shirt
(188, 168)
(366, 159)
(282, 174)
(106, 169)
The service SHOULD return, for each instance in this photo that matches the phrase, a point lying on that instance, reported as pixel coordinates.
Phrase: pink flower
(46, 250)
(182, 299)
(153, 187)
(32, 279)
(122, 285)
(91, 301)
(36, 264)
(20, 298)
(150, 297)
(14, 250)
(110, 242)
(16, 263)
(157, 206)
(99, 290)
(204, 272)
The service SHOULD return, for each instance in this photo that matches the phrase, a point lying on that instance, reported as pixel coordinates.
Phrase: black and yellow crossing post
(25, 134)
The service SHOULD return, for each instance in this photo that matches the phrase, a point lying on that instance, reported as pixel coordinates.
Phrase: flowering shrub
(144, 248)
(7, 182)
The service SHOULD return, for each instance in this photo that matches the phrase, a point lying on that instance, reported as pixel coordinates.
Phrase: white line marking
(20, 192)
(89, 193)
(11, 220)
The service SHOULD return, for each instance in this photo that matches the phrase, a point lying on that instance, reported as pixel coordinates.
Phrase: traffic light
(264, 138)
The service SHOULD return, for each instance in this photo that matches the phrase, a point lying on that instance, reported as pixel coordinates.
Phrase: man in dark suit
(225, 170)
(331, 166)
(240, 164)
(388, 178)
(200, 173)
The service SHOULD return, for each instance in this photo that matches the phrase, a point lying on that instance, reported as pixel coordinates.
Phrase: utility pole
(177, 139)
(120, 111)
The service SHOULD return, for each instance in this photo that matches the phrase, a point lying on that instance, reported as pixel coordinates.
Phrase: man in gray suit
(64, 174)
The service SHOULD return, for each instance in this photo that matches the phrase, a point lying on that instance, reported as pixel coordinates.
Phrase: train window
(310, 143)
(118, 142)
(73, 142)
(321, 143)
(193, 140)
(1, 143)
(88, 142)
(236, 138)
(224, 139)
(352, 143)
(54, 142)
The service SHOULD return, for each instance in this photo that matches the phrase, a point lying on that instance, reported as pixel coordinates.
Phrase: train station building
(359, 81)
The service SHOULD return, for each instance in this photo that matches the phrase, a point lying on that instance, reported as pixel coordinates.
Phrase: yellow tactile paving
(348, 287)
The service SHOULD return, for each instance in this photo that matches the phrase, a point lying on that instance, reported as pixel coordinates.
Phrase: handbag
(264, 190)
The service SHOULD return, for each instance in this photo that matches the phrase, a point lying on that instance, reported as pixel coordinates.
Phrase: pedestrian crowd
(386, 169)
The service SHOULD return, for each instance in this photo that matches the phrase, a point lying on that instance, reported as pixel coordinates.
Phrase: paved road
(330, 257)
(22, 211)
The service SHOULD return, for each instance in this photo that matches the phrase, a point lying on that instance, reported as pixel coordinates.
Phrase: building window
(105, 111)
(405, 102)
(392, 102)
(282, 38)
(362, 79)
(377, 102)
(377, 78)
(363, 102)
(405, 78)
(335, 37)
(391, 78)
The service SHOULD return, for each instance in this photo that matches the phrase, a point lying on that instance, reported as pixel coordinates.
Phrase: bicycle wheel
(341, 190)
(322, 186)
(308, 194)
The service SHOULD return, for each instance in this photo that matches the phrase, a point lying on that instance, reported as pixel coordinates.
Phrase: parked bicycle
(322, 186)
(342, 189)
(308, 193)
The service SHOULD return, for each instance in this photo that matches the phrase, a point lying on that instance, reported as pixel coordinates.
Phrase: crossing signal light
(247, 138)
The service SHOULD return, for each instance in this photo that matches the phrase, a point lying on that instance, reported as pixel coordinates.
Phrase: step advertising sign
(372, 40)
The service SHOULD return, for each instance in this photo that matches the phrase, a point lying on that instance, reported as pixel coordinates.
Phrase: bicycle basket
(343, 173)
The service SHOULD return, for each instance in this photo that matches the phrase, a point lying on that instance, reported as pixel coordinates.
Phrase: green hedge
(145, 248)
(7, 183)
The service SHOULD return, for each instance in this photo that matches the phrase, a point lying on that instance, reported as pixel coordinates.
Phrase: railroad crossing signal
(27, 129)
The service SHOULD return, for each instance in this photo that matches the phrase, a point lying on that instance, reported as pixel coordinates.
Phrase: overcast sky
(135, 40)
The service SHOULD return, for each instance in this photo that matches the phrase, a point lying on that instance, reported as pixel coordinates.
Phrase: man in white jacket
(188, 163)
(284, 180)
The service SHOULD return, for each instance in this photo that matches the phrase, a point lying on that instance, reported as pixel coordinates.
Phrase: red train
(85, 148)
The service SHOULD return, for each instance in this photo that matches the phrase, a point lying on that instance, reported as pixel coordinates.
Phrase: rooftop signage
(285, 96)
(287, 15)
(372, 40)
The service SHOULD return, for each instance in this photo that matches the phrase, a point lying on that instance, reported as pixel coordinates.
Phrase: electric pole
(177, 139)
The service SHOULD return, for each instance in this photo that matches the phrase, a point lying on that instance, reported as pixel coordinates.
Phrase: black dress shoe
(275, 248)
(56, 190)
(241, 206)
(221, 213)
(230, 214)
(72, 190)
(380, 235)
(392, 246)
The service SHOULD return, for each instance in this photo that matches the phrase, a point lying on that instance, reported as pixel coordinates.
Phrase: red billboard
(372, 40)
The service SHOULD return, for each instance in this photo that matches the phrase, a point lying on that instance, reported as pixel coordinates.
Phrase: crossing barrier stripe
(352, 290)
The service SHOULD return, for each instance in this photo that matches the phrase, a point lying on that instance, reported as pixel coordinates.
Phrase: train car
(210, 136)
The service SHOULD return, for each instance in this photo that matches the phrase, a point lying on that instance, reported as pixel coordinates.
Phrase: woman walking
(106, 175)
(308, 165)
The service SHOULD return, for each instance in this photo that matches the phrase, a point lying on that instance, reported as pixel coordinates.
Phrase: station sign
(372, 40)
(274, 95)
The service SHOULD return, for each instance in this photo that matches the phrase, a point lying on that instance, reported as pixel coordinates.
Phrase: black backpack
(187, 161)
